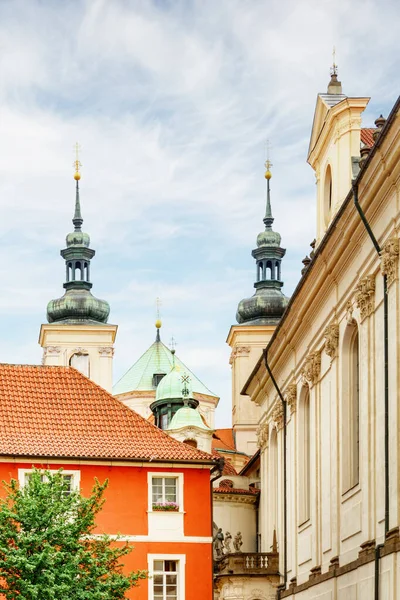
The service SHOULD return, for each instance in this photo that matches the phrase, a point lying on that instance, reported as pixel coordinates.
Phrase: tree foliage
(47, 547)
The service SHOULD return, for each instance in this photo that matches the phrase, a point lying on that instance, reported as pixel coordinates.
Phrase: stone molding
(291, 397)
(331, 335)
(106, 351)
(312, 368)
(389, 259)
(262, 435)
(365, 296)
(52, 350)
(238, 498)
(277, 414)
(239, 351)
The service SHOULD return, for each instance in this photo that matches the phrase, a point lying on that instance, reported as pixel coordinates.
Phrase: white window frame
(75, 481)
(180, 559)
(179, 489)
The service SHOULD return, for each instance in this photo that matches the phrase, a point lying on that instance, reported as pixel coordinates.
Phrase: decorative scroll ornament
(239, 351)
(365, 295)
(349, 312)
(262, 435)
(80, 351)
(277, 414)
(331, 335)
(291, 397)
(106, 351)
(389, 259)
(312, 368)
(53, 350)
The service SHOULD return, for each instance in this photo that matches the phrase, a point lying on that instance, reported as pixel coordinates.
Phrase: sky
(172, 102)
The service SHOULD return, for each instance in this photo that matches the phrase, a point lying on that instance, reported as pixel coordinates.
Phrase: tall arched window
(80, 362)
(304, 455)
(351, 409)
(328, 194)
(273, 484)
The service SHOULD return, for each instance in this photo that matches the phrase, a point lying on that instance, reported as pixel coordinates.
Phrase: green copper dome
(187, 417)
(77, 305)
(268, 304)
(171, 386)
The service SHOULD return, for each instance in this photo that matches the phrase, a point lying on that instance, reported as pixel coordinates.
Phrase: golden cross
(334, 65)
(268, 163)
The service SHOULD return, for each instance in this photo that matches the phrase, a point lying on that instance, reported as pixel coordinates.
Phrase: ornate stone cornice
(331, 335)
(277, 414)
(80, 351)
(312, 368)
(262, 435)
(389, 259)
(291, 397)
(239, 351)
(235, 498)
(106, 351)
(365, 296)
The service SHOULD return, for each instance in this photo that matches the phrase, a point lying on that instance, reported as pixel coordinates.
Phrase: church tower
(77, 332)
(257, 318)
(334, 148)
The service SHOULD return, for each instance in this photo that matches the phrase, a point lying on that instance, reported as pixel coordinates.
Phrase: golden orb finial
(77, 164)
(158, 323)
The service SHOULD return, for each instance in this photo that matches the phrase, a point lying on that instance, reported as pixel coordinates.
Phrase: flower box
(166, 506)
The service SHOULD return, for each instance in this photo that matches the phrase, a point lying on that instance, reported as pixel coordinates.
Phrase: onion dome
(268, 304)
(77, 305)
(170, 387)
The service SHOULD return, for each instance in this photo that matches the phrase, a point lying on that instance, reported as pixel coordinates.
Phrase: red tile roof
(228, 490)
(366, 136)
(223, 439)
(58, 412)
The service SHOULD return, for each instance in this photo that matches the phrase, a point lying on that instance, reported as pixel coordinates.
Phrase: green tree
(47, 547)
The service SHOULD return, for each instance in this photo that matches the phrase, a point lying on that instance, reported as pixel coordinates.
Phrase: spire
(158, 322)
(335, 86)
(77, 220)
(268, 219)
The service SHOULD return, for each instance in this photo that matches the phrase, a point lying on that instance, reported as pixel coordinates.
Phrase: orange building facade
(56, 418)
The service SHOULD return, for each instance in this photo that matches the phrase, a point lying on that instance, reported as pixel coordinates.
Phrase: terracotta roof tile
(366, 136)
(223, 439)
(58, 412)
(227, 490)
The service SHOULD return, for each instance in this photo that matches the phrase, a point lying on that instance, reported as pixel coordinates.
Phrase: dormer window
(157, 378)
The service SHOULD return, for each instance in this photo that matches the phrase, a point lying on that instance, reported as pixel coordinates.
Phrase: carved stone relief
(365, 296)
(349, 311)
(277, 414)
(239, 351)
(52, 350)
(331, 335)
(312, 368)
(262, 435)
(389, 259)
(106, 351)
(291, 397)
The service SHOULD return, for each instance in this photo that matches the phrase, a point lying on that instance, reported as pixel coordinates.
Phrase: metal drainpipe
(284, 470)
(386, 377)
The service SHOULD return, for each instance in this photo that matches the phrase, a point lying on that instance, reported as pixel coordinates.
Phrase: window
(190, 442)
(71, 479)
(165, 580)
(157, 378)
(165, 492)
(351, 408)
(80, 362)
(305, 456)
(167, 576)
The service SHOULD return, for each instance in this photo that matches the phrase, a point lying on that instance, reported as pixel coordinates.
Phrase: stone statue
(237, 542)
(227, 543)
(218, 543)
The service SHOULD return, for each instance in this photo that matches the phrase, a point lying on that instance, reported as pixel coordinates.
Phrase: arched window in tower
(269, 269)
(78, 271)
(304, 453)
(328, 195)
(273, 483)
(278, 270)
(351, 408)
(80, 361)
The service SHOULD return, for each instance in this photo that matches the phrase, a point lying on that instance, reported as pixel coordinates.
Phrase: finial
(158, 322)
(268, 163)
(172, 345)
(334, 65)
(77, 163)
(185, 390)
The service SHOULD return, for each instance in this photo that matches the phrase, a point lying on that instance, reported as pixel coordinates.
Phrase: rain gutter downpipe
(386, 385)
(282, 399)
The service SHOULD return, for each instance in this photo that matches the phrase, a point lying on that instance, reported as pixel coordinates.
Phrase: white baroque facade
(327, 357)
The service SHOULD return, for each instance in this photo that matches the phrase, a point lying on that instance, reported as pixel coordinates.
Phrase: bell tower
(77, 333)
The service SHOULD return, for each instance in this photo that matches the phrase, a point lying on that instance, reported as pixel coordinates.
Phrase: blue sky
(172, 102)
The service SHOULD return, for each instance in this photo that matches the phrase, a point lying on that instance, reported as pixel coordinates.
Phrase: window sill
(353, 491)
(164, 512)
